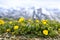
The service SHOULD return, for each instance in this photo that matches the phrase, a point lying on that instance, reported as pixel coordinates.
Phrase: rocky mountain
(40, 13)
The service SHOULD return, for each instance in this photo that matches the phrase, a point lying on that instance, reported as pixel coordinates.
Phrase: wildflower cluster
(30, 27)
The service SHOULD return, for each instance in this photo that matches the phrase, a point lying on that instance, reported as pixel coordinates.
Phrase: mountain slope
(41, 13)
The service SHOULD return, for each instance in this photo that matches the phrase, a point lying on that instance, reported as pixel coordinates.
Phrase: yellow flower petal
(16, 27)
(45, 32)
(44, 21)
(8, 30)
(37, 21)
(29, 20)
(1, 21)
(21, 19)
(10, 22)
(59, 29)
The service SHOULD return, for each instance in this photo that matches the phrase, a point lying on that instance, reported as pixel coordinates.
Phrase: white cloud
(29, 3)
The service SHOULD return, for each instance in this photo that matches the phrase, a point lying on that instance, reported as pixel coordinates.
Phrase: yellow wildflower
(37, 21)
(1, 21)
(10, 22)
(44, 21)
(21, 19)
(59, 29)
(16, 27)
(8, 30)
(29, 20)
(45, 32)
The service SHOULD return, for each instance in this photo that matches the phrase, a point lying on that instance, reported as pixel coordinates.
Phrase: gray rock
(41, 13)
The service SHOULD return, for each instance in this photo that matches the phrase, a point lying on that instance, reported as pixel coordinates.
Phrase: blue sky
(30, 3)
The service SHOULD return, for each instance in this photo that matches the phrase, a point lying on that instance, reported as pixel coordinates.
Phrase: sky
(30, 3)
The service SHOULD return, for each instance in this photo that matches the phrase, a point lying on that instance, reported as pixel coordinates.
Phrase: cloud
(29, 3)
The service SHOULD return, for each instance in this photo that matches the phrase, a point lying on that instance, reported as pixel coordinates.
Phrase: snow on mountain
(40, 13)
